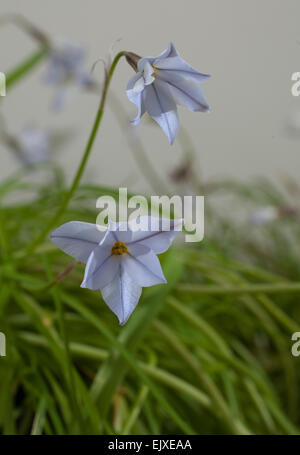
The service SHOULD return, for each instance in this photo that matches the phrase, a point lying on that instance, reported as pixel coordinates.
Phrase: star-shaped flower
(120, 261)
(163, 82)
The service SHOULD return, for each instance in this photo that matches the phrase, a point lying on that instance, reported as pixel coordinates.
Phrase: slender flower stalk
(27, 26)
(268, 288)
(52, 223)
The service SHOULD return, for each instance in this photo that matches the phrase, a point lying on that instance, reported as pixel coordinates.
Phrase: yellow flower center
(154, 74)
(119, 248)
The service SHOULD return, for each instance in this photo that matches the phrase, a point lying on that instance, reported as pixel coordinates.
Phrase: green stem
(25, 67)
(136, 410)
(278, 314)
(64, 336)
(140, 401)
(95, 353)
(219, 404)
(39, 418)
(222, 349)
(247, 289)
(130, 360)
(52, 223)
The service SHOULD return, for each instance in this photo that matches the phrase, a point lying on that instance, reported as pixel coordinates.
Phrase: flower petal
(78, 239)
(122, 295)
(120, 231)
(178, 65)
(61, 98)
(139, 85)
(162, 108)
(133, 86)
(134, 93)
(101, 268)
(54, 74)
(84, 79)
(156, 233)
(141, 109)
(185, 92)
(148, 71)
(169, 52)
(143, 266)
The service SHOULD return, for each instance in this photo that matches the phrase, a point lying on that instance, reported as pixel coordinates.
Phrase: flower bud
(132, 59)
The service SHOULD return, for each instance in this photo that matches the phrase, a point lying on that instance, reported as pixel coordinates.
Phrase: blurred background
(251, 50)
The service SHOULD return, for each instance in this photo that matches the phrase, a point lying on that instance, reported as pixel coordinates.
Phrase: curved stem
(83, 162)
(220, 406)
(268, 288)
(99, 354)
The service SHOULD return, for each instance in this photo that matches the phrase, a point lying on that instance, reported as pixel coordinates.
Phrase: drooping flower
(65, 69)
(120, 261)
(163, 82)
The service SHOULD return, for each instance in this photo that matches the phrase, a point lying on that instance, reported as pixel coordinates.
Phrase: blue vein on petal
(95, 271)
(120, 276)
(143, 265)
(181, 90)
(72, 238)
(148, 237)
(164, 113)
(183, 71)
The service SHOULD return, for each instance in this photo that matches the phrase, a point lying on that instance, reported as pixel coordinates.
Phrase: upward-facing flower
(163, 82)
(65, 69)
(121, 261)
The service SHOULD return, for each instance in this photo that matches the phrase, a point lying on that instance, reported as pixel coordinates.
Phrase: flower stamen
(119, 248)
(154, 74)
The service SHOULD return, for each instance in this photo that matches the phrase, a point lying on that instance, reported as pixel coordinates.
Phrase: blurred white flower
(65, 69)
(264, 215)
(33, 145)
(163, 82)
(121, 261)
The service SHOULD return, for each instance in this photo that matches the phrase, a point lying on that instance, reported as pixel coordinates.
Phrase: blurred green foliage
(210, 352)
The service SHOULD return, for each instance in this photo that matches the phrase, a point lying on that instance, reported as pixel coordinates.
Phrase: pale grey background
(250, 48)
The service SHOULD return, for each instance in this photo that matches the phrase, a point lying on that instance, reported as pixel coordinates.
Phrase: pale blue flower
(32, 145)
(65, 69)
(264, 215)
(120, 261)
(163, 82)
